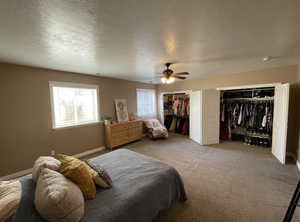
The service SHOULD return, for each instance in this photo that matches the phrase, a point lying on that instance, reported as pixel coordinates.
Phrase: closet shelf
(253, 135)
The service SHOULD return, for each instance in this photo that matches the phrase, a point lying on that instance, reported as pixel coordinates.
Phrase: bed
(142, 186)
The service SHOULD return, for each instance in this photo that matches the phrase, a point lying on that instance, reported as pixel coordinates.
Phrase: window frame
(155, 103)
(73, 85)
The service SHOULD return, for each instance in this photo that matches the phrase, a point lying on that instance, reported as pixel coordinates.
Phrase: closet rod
(175, 94)
(245, 90)
(250, 99)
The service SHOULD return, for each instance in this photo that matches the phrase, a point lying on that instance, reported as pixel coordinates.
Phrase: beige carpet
(226, 182)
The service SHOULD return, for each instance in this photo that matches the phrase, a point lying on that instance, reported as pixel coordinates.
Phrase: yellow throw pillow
(78, 172)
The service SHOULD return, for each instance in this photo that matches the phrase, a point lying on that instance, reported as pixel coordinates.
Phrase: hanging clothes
(175, 106)
(176, 113)
(185, 127)
(240, 115)
(251, 120)
(264, 121)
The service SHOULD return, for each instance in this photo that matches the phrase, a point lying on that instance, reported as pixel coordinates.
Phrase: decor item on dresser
(133, 116)
(122, 133)
(124, 202)
(121, 110)
(156, 129)
(106, 120)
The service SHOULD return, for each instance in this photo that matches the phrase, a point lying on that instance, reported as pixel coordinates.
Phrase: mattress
(142, 186)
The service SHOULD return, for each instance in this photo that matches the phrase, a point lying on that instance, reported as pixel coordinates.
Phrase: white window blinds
(146, 102)
(74, 104)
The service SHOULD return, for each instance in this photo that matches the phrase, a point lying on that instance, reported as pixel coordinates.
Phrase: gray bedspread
(142, 186)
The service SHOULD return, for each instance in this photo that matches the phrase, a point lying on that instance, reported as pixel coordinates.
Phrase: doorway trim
(250, 86)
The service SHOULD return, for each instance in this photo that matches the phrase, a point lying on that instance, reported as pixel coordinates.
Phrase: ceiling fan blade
(181, 73)
(180, 77)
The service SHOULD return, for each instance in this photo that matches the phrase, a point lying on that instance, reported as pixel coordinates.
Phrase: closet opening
(246, 115)
(176, 112)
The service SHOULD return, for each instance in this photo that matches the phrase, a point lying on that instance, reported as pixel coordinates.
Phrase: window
(73, 104)
(146, 102)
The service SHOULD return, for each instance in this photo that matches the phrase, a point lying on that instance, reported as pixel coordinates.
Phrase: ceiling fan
(169, 75)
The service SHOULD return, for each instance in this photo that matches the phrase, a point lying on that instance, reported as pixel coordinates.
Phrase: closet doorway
(246, 115)
(176, 112)
(254, 114)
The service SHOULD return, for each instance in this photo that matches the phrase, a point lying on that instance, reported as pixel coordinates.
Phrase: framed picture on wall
(121, 110)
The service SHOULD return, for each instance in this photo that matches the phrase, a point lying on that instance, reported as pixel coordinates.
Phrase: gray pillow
(99, 174)
(44, 162)
(57, 198)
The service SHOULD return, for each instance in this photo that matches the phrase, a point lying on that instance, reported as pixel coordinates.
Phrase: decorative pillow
(44, 162)
(100, 176)
(58, 199)
(10, 197)
(149, 123)
(77, 171)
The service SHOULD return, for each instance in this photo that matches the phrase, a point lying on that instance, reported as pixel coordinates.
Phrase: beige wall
(25, 115)
(287, 74)
(297, 117)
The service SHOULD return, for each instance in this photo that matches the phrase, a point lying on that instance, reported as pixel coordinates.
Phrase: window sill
(154, 115)
(76, 126)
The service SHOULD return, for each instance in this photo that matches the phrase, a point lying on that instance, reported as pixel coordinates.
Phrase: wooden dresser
(121, 133)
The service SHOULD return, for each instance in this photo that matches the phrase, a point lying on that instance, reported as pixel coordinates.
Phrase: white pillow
(58, 199)
(44, 162)
(148, 124)
(10, 197)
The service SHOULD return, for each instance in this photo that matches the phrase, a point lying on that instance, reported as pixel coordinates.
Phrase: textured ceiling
(131, 39)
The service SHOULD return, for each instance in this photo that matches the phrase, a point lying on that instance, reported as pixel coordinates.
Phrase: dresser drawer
(135, 124)
(117, 134)
(135, 133)
(135, 130)
(119, 127)
(122, 133)
(134, 137)
(119, 141)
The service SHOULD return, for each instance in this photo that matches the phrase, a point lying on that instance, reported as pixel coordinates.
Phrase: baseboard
(17, 174)
(89, 152)
(28, 171)
(292, 155)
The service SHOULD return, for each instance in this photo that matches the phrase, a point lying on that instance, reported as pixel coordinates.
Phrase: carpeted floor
(226, 182)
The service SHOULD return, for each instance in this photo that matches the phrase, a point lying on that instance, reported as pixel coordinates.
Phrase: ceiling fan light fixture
(169, 76)
(170, 80)
(163, 80)
(266, 58)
